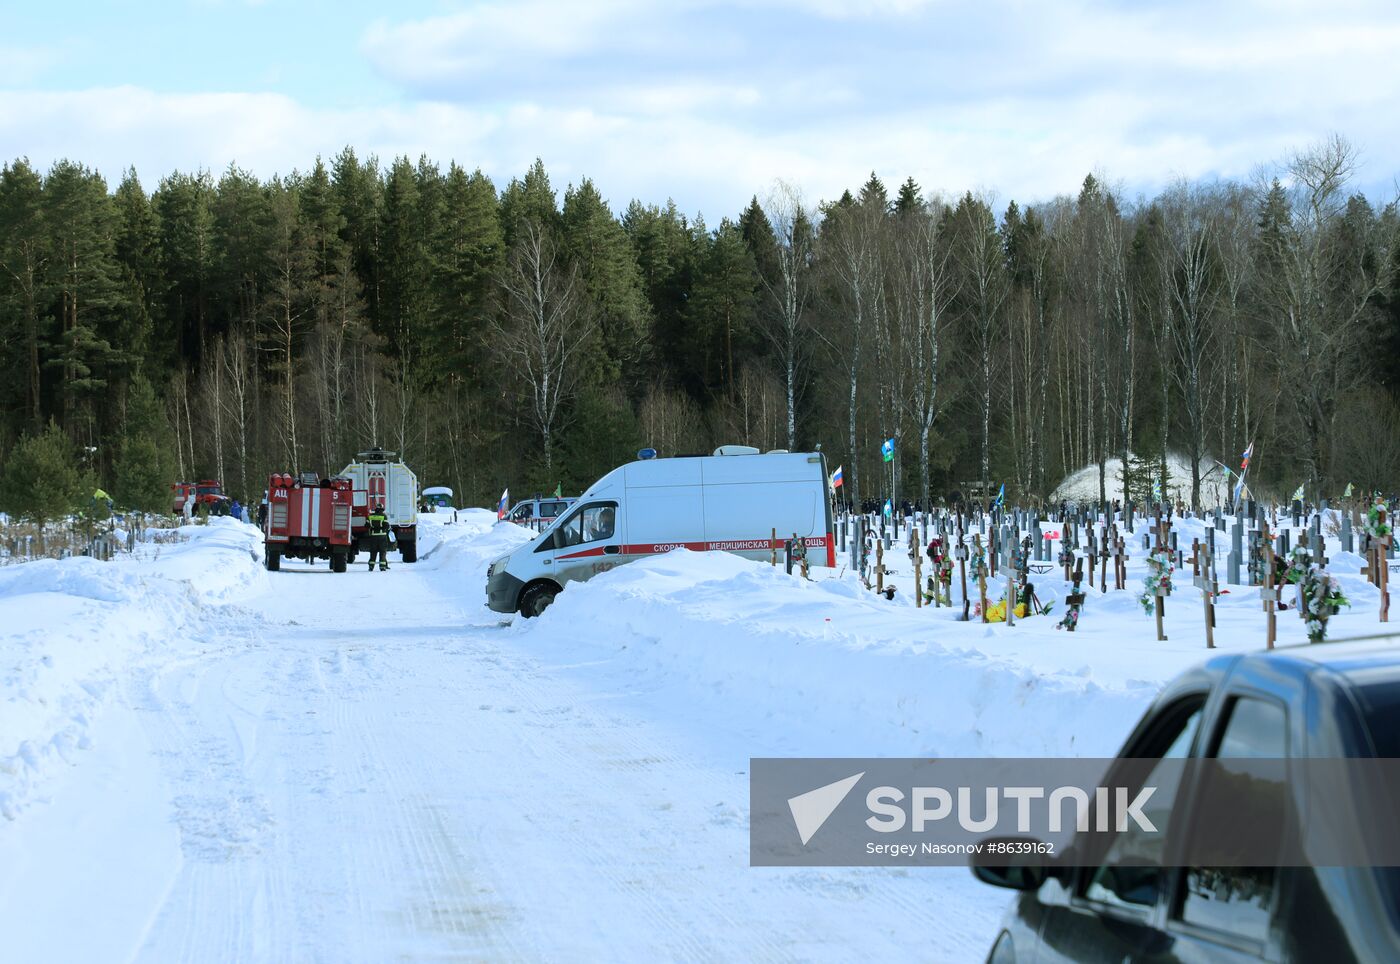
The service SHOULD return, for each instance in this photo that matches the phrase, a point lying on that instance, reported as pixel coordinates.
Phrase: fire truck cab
(308, 517)
(209, 492)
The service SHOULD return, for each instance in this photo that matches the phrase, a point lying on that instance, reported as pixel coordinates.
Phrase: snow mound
(827, 668)
(74, 629)
(1082, 485)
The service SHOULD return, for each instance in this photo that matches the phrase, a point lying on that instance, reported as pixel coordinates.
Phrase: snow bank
(1082, 485)
(73, 628)
(827, 668)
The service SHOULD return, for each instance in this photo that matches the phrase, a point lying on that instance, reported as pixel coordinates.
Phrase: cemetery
(1256, 565)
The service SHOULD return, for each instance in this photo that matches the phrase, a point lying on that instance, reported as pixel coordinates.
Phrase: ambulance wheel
(338, 562)
(536, 600)
(274, 560)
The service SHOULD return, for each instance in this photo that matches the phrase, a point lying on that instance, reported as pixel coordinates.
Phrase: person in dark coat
(377, 537)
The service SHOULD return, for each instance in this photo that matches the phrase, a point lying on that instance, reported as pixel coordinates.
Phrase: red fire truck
(210, 492)
(308, 517)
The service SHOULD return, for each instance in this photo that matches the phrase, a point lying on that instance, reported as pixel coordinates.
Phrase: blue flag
(887, 450)
(1001, 495)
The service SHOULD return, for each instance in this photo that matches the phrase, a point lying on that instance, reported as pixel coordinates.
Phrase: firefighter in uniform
(378, 530)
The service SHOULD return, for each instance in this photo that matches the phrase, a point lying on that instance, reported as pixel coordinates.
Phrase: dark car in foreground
(1338, 700)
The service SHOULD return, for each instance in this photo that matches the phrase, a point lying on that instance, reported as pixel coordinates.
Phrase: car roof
(1367, 660)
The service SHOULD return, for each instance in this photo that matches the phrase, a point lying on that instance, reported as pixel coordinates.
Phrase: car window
(593, 523)
(1380, 704)
(1238, 900)
(1130, 874)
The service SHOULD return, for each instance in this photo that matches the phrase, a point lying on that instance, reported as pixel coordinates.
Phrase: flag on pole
(1239, 489)
(503, 505)
(1347, 493)
(1298, 494)
(1001, 495)
(887, 450)
(1156, 490)
(836, 479)
(889, 508)
(1248, 453)
(559, 490)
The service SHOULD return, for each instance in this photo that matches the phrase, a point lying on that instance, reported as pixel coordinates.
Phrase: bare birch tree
(983, 291)
(544, 327)
(923, 287)
(1321, 290)
(790, 289)
(1188, 262)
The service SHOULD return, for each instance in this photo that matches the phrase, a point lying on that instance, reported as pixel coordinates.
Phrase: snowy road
(369, 767)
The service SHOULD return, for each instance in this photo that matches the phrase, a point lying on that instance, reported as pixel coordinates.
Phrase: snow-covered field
(200, 760)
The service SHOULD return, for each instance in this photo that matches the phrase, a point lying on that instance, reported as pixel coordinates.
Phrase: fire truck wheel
(274, 560)
(408, 550)
(338, 562)
(536, 600)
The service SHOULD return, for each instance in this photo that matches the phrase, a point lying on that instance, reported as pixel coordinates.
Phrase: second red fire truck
(308, 517)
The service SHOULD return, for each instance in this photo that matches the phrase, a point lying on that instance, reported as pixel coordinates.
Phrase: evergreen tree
(530, 198)
(41, 481)
(607, 264)
(24, 287)
(360, 192)
(722, 311)
(667, 252)
(466, 257)
(241, 231)
(137, 253)
(144, 464)
(186, 248)
(909, 199)
(80, 223)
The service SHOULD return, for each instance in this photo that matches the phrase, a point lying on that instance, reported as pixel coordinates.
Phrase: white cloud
(24, 65)
(708, 101)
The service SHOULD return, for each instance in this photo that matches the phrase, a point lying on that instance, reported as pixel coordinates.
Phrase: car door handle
(612, 550)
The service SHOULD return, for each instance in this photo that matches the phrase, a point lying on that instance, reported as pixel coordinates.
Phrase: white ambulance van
(732, 501)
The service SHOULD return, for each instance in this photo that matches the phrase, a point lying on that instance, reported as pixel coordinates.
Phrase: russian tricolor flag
(1244, 464)
(836, 478)
(503, 505)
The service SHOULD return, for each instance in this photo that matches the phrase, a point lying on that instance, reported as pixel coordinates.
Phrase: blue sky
(705, 101)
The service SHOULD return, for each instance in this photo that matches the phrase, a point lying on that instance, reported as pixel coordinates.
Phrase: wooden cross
(1103, 563)
(917, 558)
(1382, 568)
(981, 575)
(1159, 597)
(1010, 595)
(1270, 590)
(1298, 589)
(1205, 580)
(961, 552)
(1075, 600)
